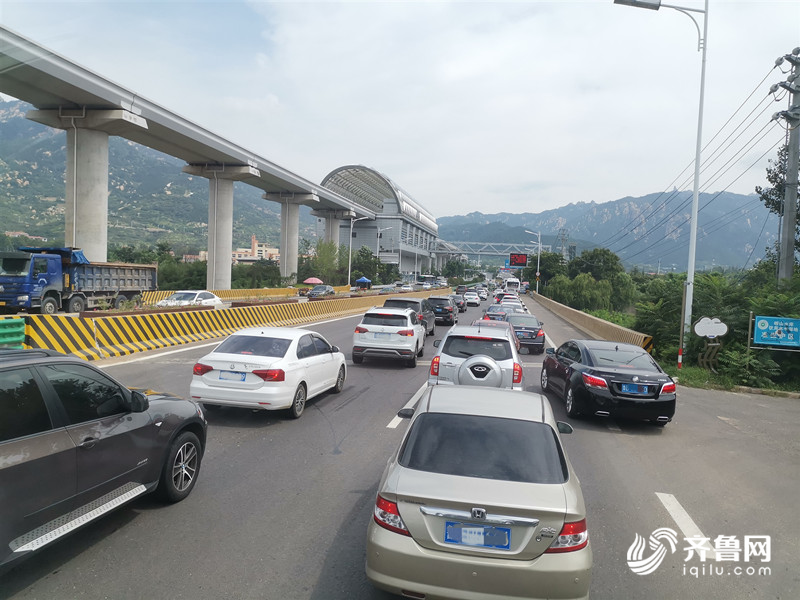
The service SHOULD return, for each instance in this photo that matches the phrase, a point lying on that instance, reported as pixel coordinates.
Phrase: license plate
(382, 336)
(481, 536)
(632, 388)
(231, 375)
(523, 334)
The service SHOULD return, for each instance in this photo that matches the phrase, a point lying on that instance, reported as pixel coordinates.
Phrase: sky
(520, 106)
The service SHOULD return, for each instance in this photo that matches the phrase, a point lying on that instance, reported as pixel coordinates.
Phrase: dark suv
(75, 444)
(318, 291)
(445, 309)
(421, 306)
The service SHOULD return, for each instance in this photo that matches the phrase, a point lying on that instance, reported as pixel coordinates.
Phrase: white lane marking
(397, 420)
(685, 522)
(549, 340)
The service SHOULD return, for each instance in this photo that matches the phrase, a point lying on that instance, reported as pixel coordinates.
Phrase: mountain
(650, 232)
(151, 200)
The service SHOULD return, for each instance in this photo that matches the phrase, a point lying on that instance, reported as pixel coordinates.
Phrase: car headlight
(23, 298)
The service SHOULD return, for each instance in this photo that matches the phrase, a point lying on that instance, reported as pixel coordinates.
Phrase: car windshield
(14, 266)
(183, 297)
(440, 301)
(484, 447)
(523, 321)
(385, 319)
(319, 288)
(470, 345)
(255, 345)
(624, 357)
(494, 308)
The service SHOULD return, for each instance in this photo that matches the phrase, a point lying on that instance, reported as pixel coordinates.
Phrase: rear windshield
(398, 303)
(624, 357)
(466, 346)
(387, 320)
(440, 301)
(523, 320)
(254, 345)
(484, 447)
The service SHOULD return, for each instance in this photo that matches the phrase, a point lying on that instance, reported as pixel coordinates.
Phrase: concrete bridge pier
(220, 218)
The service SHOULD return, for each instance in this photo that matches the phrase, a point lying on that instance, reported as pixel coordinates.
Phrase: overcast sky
(469, 106)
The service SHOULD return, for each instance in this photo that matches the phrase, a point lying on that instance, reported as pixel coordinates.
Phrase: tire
(76, 304)
(544, 380)
(569, 404)
(412, 362)
(49, 306)
(357, 360)
(181, 468)
(339, 385)
(299, 402)
(119, 301)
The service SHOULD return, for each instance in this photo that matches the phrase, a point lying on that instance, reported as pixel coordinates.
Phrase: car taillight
(668, 388)
(517, 373)
(201, 369)
(270, 374)
(573, 536)
(360, 329)
(388, 516)
(435, 366)
(595, 382)
(449, 309)
(406, 332)
(540, 333)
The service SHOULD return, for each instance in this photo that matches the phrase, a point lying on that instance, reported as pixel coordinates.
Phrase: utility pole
(792, 117)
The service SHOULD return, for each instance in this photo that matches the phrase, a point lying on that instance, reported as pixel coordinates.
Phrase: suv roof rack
(14, 353)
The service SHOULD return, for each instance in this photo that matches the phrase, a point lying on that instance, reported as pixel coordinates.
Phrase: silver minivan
(476, 355)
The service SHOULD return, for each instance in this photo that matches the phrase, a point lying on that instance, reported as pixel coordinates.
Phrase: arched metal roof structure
(374, 191)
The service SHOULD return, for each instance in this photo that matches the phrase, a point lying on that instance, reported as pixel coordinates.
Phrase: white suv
(475, 355)
(386, 332)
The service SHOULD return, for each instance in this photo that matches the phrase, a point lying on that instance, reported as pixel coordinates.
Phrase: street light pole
(378, 248)
(688, 290)
(350, 252)
(538, 235)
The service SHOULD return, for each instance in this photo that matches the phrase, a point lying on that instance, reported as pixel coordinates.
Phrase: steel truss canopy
(63, 91)
(371, 190)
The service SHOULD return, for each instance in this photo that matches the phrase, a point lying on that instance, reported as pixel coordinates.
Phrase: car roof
(288, 333)
(391, 310)
(484, 401)
(28, 354)
(440, 297)
(407, 298)
(608, 344)
(463, 330)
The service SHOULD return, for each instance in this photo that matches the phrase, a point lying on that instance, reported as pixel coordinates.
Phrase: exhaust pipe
(663, 419)
(601, 413)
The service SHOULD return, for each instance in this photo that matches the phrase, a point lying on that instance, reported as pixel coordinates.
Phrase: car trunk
(443, 512)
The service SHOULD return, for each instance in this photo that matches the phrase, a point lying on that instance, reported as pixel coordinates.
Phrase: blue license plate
(231, 375)
(481, 536)
(632, 388)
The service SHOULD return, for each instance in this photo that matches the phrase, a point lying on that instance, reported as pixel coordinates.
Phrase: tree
(600, 263)
(773, 197)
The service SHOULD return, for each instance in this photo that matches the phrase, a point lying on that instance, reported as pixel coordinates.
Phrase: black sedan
(528, 330)
(603, 378)
(461, 304)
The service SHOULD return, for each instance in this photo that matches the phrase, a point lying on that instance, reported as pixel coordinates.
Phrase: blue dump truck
(48, 280)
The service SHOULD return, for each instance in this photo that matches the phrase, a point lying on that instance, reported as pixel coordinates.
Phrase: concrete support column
(290, 237)
(332, 225)
(220, 233)
(86, 217)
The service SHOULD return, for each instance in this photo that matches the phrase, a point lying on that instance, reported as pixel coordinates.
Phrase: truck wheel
(76, 304)
(49, 306)
(119, 301)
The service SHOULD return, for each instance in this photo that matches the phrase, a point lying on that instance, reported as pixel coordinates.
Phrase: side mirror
(139, 402)
(436, 343)
(564, 427)
(334, 349)
(550, 351)
(405, 413)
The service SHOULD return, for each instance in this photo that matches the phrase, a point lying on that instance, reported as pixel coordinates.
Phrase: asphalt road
(281, 506)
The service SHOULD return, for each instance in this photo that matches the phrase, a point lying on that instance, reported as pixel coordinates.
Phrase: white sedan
(472, 298)
(268, 368)
(192, 298)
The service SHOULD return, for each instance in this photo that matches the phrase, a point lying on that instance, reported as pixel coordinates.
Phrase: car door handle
(88, 443)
